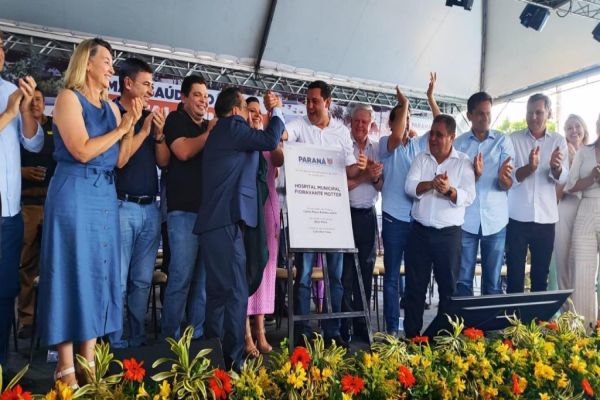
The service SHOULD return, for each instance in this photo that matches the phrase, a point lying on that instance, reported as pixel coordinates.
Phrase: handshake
(272, 100)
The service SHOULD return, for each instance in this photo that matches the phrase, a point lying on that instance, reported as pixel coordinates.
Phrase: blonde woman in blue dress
(79, 274)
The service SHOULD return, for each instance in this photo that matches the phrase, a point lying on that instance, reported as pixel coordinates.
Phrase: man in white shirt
(442, 182)
(540, 165)
(363, 192)
(318, 127)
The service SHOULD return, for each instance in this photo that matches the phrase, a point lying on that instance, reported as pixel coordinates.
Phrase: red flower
(515, 385)
(509, 344)
(473, 333)
(220, 384)
(406, 377)
(552, 325)
(15, 393)
(300, 355)
(587, 388)
(134, 371)
(420, 340)
(352, 384)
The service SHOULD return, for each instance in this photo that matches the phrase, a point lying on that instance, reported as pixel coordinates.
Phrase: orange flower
(352, 384)
(420, 340)
(552, 325)
(508, 344)
(134, 371)
(587, 388)
(518, 390)
(406, 377)
(220, 384)
(473, 333)
(15, 393)
(300, 355)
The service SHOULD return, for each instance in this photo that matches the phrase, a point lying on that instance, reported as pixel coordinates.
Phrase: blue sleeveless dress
(79, 291)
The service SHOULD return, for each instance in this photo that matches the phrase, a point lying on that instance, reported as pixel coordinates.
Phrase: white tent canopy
(365, 43)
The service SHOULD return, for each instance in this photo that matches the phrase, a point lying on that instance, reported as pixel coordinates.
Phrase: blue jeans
(140, 238)
(331, 327)
(11, 242)
(395, 237)
(187, 277)
(492, 257)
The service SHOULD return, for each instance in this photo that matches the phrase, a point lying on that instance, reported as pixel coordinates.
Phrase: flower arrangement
(541, 360)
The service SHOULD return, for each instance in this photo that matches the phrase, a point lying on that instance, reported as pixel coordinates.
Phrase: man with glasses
(137, 187)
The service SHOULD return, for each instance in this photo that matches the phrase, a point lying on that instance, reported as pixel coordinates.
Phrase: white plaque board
(317, 197)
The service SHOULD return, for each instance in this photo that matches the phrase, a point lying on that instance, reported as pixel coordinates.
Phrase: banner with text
(317, 197)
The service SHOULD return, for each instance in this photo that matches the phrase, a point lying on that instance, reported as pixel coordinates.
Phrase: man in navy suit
(229, 204)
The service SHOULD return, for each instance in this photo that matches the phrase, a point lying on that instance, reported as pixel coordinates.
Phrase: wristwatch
(160, 139)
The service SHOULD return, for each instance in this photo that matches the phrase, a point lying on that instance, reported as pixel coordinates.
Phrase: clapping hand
(595, 174)
(505, 173)
(374, 170)
(441, 183)
(556, 159)
(534, 158)
(14, 100)
(27, 86)
(478, 165)
(402, 99)
(362, 161)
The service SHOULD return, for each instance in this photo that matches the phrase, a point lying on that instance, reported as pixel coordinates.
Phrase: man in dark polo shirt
(137, 188)
(36, 171)
(186, 133)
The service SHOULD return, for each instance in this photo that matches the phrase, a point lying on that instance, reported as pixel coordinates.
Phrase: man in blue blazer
(229, 204)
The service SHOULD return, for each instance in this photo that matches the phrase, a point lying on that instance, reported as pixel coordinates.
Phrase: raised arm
(435, 110)
(399, 131)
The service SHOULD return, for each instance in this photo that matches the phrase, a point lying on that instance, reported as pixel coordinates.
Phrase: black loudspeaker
(466, 4)
(160, 349)
(488, 313)
(596, 32)
(534, 17)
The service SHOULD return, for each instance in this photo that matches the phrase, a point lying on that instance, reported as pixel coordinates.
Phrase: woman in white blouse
(583, 178)
(576, 133)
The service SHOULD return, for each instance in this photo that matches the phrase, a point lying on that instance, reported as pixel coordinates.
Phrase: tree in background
(507, 126)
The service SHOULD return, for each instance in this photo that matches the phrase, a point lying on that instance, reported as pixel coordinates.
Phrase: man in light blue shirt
(396, 151)
(485, 220)
(17, 126)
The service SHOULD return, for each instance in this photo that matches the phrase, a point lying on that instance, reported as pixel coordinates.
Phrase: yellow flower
(480, 346)
(376, 359)
(596, 369)
(583, 342)
(459, 384)
(549, 348)
(563, 381)
(471, 359)
(298, 377)
(142, 392)
(165, 389)
(415, 359)
(544, 396)
(327, 373)
(315, 373)
(64, 391)
(346, 396)
(460, 364)
(425, 362)
(577, 364)
(502, 350)
(486, 368)
(367, 361)
(589, 354)
(51, 395)
(543, 371)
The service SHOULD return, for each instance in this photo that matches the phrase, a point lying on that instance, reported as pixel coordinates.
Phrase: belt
(33, 200)
(361, 210)
(136, 199)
